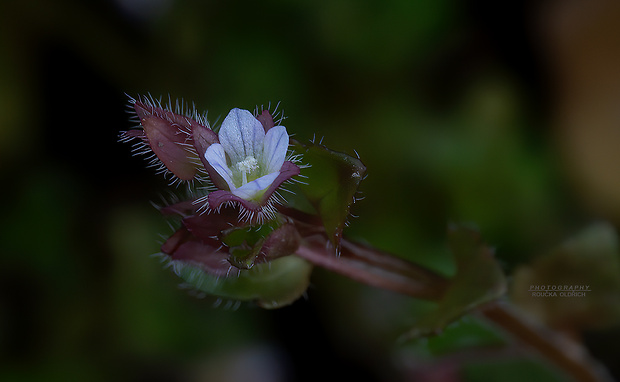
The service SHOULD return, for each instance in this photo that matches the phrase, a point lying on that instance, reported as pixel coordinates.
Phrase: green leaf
(510, 370)
(332, 181)
(478, 280)
(469, 332)
(271, 285)
(589, 260)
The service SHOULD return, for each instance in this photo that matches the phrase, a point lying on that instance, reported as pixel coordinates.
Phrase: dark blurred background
(505, 114)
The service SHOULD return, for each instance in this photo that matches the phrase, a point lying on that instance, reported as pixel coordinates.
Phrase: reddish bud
(167, 144)
(283, 241)
(178, 141)
(266, 120)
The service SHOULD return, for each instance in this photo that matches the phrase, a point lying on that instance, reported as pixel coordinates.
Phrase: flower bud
(283, 241)
(178, 141)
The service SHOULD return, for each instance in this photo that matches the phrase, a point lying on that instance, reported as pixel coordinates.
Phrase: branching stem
(383, 270)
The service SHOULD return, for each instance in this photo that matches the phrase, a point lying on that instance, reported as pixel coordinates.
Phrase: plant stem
(383, 270)
(371, 267)
(572, 359)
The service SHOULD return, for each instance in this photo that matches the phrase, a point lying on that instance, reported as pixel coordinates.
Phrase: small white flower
(248, 159)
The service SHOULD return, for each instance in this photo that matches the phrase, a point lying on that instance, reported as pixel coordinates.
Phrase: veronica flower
(229, 222)
(246, 162)
(250, 160)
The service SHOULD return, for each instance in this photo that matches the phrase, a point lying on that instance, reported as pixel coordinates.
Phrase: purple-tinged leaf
(207, 226)
(206, 255)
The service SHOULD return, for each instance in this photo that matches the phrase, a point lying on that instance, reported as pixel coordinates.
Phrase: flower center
(247, 167)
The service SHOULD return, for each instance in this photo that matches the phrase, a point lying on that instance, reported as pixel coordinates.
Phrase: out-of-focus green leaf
(468, 332)
(478, 280)
(271, 285)
(331, 184)
(590, 261)
(510, 370)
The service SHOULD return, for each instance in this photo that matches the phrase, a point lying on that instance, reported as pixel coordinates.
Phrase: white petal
(216, 157)
(276, 145)
(241, 135)
(249, 190)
